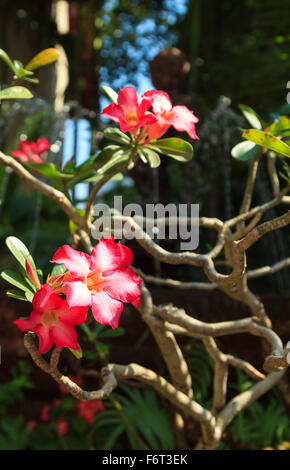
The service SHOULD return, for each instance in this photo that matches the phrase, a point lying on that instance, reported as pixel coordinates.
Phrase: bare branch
(62, 201)
(266, 270)
(72, 387)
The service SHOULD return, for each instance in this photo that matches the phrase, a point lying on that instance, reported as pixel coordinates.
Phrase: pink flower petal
(73, 315)
(22, 157)
(123, 285)
(77, 294)
(75, 261)
(161, 101)
(64, 336)
(107, 256)
(128, 98)
(114, 112)
(127, 256)
(35, 158)
(106, 310)
(42, 145)
(183, 120)
(45, 299)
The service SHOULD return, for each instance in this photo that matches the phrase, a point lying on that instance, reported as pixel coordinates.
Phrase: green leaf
(15, 92)
(244, 151)
(267, 140)
(45, 57)
(20, 71)
(173, 147)
(110, 333)
(97, 177)
(281, 127)
(58, 269)
(251, 116)
(51, 172)
(110, 93)
(4, 56)
(19, 250)
(78, 353)
(72, 226)
(29, 295)
(103, 349)
(16, 294)
(111, 133)
(15, 279)
(115, 157)
(151, 157)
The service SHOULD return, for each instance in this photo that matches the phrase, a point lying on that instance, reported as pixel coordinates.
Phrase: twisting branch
(62, 201)
(247, 199)
(164, 388)
(72, 387)
(221, 373)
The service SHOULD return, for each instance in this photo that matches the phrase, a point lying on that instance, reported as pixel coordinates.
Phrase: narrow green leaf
(4, 56)
(112, 133)
(97, 177)
(173, 147)
(29, 295)
(151, 157)
(45, 57)
(16, 294)
(19, 250)
(110, 93)
(267, 140)
(251, 116)
(15, 279)
(15, 92)
(244, 151)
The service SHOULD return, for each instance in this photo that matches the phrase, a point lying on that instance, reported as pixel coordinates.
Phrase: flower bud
(32, 275)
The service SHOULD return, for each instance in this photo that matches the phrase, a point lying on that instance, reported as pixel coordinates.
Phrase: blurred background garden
(211, 56)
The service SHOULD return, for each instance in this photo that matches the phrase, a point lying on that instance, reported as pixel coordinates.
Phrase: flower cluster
(132, 114)
(87, 410)
(29, 152)
(103, 281)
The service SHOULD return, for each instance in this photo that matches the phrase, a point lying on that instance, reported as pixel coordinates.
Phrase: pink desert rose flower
(129, 113)
(180, 117)
(52, 320)
(31, 151)
(88, 409)
(102, 280)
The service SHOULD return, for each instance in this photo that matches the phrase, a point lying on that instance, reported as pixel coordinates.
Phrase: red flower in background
(102, 280)
(180, 117)
(31, 425)
(129, 113)
(88, 409)
(52, 320)
(31, 151)
(61, 427)
(45, 413)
